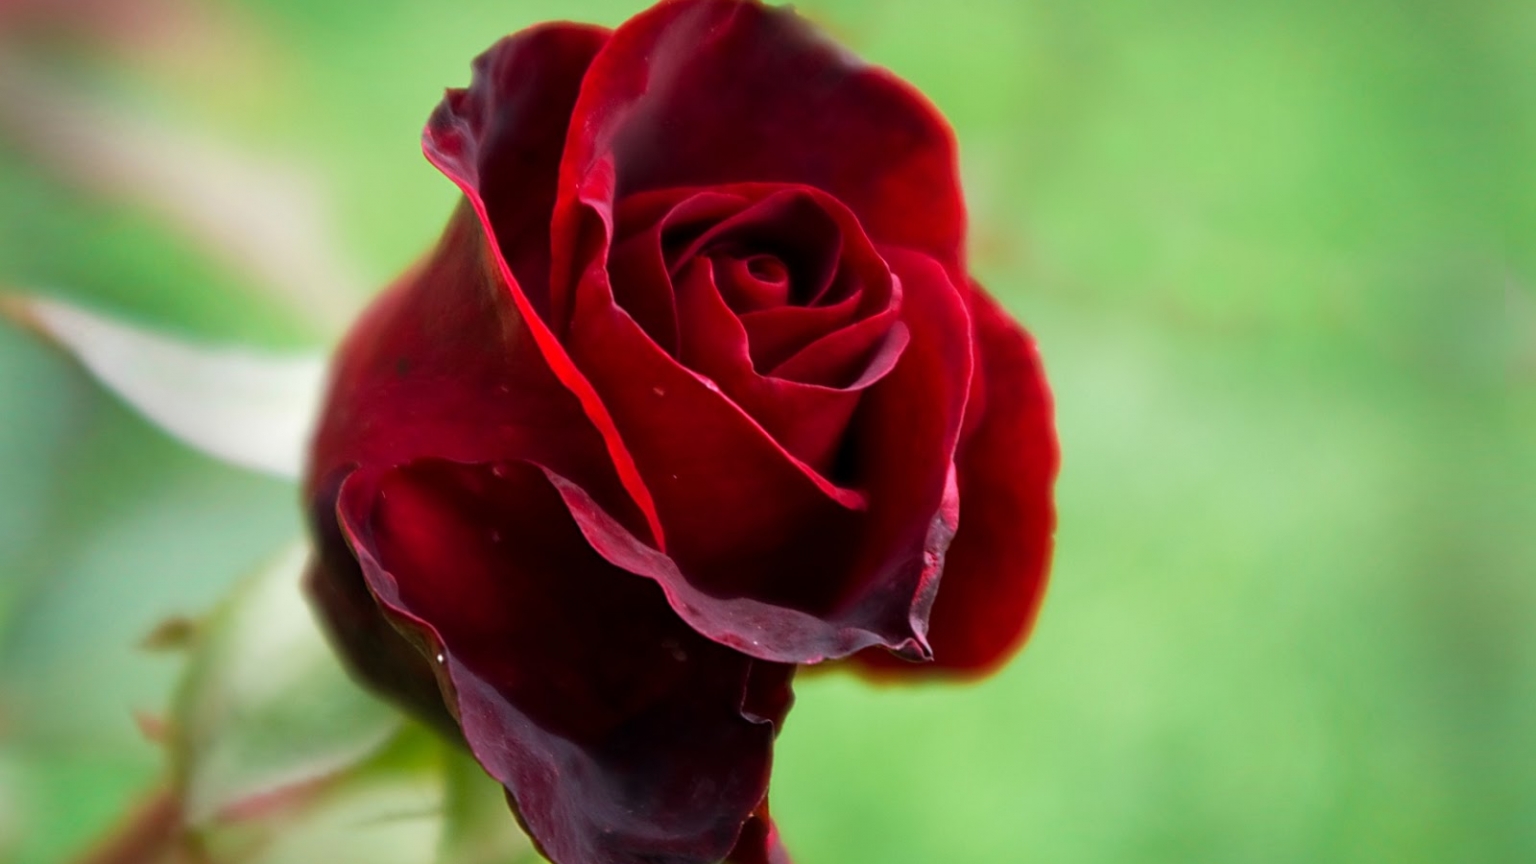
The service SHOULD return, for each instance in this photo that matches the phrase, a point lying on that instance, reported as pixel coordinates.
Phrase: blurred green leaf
(266, 707)
(385, 810)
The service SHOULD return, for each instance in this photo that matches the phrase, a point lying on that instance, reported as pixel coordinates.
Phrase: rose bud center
(753, 283)
(770, 292)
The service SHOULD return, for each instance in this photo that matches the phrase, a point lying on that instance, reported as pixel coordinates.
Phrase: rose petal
(511, 124)
(995, 573)
(903, 444)
(763, 97)
(837, 277)
(444, 365)
(475, 137)
(757, 562)
(622, 736)
(777, 335)
(731, 491)
(377, 654)
(639, 252)
(761, 281)
(799, 224)
(806, 421)
(851, 358)
(759, 843)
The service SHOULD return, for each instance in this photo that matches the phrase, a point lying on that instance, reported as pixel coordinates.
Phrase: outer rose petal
(516, 116)
(995, 574)
(759, 843)
(376, 653)
(710, 92)
(622, 736)
(499, 139)
(443, 365)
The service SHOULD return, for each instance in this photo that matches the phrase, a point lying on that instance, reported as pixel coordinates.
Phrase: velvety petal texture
(694, 389)
(995, 571)
(763, 97)
(621, 735)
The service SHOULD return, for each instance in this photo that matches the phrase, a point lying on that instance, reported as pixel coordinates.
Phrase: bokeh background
(1279, 256)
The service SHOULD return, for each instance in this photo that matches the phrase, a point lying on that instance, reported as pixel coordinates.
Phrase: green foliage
(264, 705)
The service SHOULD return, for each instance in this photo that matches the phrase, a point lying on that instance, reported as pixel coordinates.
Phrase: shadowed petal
(764, 98)
(622, 736)
(444, 365)
(499, 139)
(995, 573)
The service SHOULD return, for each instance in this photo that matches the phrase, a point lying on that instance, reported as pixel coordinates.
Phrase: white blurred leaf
(266, 707)
(251, 409)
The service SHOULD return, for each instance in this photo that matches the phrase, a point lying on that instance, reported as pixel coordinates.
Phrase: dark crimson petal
(801, 233)
(443, 365)
(622, 736)
(851, 358)
(777, 335)
(730, 495)
(760, 281)
(757, 561)
(688, 247)
(516, 113)
(377, 654)
(795, 223)
(759, 843)
(763, 98)
(475, 137)
(645, 292)
(995, 574)
(903, 442)
(806, 421)
(842, 280)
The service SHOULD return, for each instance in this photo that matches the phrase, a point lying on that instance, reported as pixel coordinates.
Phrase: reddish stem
(146, 835)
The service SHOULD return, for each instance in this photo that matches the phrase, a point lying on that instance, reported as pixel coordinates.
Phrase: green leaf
(251, 409)
(386, 810)
(266, 707)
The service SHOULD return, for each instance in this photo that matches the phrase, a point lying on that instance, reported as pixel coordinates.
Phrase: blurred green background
(1279, 256)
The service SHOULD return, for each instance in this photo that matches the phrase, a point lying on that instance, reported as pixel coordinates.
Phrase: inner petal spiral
(789, 267)
(772, 293)
(753, 283)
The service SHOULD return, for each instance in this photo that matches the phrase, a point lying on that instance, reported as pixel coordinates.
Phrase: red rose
(695, 388)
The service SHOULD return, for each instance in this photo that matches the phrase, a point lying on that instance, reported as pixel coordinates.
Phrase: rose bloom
(694, 389)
